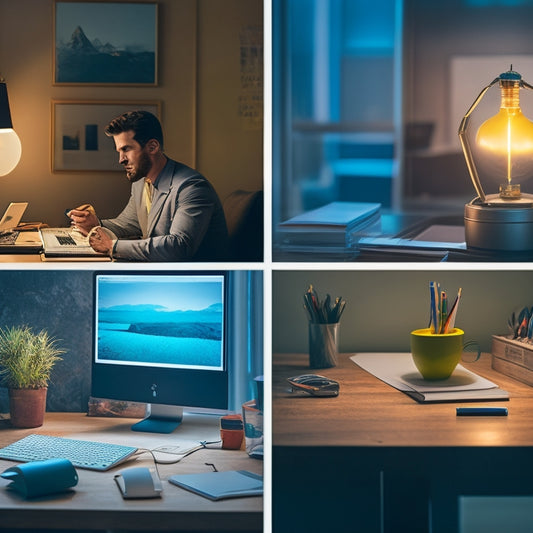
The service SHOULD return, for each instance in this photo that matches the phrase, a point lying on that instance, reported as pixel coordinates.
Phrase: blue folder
(221, 485)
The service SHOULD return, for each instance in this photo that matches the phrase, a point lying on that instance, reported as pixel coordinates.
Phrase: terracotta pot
(27, 407)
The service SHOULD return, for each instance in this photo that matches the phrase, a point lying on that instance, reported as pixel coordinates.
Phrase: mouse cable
(140, 451)
(202, 445)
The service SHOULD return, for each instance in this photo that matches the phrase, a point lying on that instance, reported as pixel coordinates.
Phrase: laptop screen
(13, 215)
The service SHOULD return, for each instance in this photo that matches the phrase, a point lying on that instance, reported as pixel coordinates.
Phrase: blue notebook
(334, 224)
(221, 485)
(340, 215)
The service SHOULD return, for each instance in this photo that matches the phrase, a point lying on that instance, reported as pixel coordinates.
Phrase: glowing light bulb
(507, 138)
(502, 150)
(10, 150)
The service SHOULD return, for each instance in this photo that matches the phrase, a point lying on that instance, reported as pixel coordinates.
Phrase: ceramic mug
(437, 355)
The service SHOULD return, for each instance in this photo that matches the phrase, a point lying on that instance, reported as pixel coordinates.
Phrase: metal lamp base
(505, 227)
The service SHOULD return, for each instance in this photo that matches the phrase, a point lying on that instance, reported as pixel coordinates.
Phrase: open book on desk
(399, 371)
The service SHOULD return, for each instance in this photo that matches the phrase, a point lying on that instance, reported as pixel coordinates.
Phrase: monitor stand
(160, 419)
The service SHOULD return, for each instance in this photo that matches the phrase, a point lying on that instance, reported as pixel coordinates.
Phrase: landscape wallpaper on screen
(161, 322)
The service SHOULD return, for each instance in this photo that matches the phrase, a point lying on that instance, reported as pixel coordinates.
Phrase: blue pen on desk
(481, 411)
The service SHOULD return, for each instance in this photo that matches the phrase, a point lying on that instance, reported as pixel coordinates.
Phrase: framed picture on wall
(105, 43)
(78, 139)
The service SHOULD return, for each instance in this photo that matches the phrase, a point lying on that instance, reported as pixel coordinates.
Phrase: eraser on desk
(40, 478)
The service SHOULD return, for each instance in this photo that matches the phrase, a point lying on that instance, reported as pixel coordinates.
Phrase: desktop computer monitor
(160, 339)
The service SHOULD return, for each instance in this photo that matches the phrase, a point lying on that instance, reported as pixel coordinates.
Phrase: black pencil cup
(323, 345)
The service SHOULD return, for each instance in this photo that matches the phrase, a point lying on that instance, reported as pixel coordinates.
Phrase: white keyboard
(81, 453)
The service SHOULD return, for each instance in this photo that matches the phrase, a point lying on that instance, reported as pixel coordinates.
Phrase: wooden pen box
(513, 357)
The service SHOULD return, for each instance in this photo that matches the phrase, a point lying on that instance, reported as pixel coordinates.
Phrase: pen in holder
(437, 349)
(324, 325)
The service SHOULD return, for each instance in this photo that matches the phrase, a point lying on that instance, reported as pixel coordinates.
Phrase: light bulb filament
(509, 145)
(507, 136)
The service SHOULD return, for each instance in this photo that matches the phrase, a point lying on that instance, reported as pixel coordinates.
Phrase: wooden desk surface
(96, 503)
(29, 237)
(39, 258)
(20, 258)
(370, 413)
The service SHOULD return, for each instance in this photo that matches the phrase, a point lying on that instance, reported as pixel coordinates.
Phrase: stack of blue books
(332, 227)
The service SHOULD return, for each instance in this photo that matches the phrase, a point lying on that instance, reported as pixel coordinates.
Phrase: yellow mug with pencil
(437, 354)
(437, 350)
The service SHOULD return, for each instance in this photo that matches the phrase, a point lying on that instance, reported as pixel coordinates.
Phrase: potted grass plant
(26, 363)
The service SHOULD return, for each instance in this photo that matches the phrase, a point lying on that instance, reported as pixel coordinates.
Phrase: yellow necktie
(148, 190)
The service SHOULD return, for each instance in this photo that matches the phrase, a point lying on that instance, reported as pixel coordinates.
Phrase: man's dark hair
(145, 126)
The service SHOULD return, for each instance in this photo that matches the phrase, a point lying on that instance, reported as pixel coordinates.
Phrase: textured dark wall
(59, 301)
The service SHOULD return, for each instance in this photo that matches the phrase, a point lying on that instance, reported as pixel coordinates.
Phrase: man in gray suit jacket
(173, 213)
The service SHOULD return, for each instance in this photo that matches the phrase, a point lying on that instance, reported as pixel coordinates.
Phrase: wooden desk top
(20, 258)
(95, 502)
(39, 258)
(30, 238)
(370, 413)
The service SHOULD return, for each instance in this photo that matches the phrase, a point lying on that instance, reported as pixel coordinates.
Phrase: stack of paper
(399, 371)
(332, 226)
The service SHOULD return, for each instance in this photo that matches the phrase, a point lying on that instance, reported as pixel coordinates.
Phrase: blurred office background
(368, 97)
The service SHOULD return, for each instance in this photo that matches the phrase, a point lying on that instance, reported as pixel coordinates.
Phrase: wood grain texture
(95, 503)
(370, 413)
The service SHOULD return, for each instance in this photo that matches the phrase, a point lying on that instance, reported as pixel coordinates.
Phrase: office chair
(244, 218)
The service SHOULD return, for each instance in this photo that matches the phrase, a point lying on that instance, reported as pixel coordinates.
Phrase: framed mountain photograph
(105, 43)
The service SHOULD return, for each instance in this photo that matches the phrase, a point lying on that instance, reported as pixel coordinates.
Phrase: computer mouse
(139, 482)
(314, 385)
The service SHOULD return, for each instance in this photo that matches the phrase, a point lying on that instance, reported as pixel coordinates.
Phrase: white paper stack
(399, 371)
